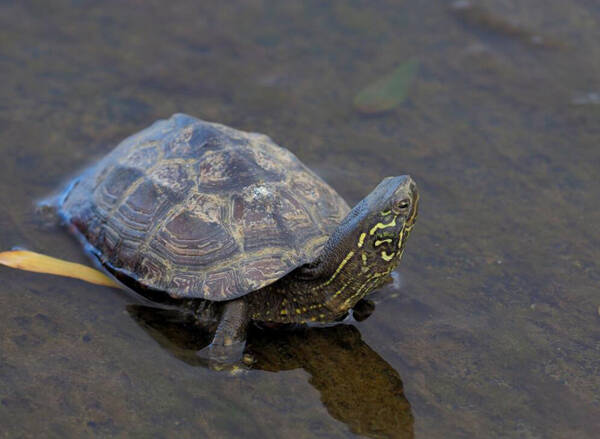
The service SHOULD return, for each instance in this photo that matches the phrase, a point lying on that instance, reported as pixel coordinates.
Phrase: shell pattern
(202, 210)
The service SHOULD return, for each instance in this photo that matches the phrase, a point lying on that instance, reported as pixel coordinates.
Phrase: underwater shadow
(357, 386)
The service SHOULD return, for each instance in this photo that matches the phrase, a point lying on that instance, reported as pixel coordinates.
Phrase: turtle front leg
(363, 309)
(229, 340)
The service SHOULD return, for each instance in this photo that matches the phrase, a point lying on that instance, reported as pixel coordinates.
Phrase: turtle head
(364, 249)
(387, 215)
(374, 232)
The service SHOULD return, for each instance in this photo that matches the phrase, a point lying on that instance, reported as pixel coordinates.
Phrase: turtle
(200, 214)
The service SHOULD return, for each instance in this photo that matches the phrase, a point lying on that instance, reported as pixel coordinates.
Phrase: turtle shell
(202, 210)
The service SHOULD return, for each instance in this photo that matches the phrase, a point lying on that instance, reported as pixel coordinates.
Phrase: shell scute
(296, 218)
(187, 284)
(172, 178)
(226, 169)
(267, 267)
(141, 207)
(149, 270)
(118, 181)
(221, 285)
(144, 156)
(125, 250)
(189, 241)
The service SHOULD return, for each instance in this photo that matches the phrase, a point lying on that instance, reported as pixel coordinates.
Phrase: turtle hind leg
(45, 213)
(47, 210)
(229, 341)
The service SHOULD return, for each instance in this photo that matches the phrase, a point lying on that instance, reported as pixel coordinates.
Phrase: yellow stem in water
(31, 261)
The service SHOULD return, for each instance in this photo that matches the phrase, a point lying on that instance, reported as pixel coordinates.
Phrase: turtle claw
(226, 353)
(235, 369)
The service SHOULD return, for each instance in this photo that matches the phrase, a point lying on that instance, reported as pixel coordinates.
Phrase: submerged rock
(477, 17)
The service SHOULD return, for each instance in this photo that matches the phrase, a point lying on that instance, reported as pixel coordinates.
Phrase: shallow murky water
(494, 330)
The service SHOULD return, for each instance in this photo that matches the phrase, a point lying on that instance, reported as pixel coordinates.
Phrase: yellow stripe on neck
(382, 226)
(387, 257)
(361, 240)
(337, 271)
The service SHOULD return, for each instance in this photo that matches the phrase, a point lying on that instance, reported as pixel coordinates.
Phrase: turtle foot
(363, 310)
(227, 358)
(45, 214)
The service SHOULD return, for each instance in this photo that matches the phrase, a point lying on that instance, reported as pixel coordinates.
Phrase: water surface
(495, 328)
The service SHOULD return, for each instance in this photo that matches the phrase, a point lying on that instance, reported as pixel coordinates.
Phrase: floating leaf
(30, 261)
(387, 92)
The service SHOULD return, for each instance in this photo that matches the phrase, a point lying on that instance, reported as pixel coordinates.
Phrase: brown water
(495, 328)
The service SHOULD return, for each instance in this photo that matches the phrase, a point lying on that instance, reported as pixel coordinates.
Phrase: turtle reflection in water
(356, 385)
(197, 213)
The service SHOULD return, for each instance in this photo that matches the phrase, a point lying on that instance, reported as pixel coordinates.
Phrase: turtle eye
(402, 205)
